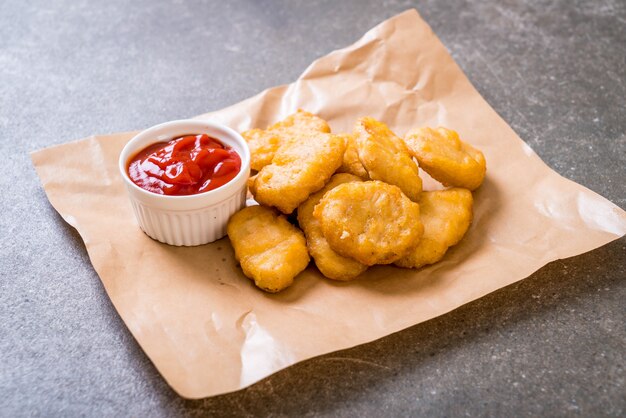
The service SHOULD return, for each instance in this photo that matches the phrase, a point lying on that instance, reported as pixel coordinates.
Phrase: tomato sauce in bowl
(186, 165)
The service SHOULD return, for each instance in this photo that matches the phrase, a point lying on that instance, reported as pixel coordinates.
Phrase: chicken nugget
(446, 215)
(301, 121)
(270, 249)
(329, 263)
(372, 222)
(446, 158)
(298, 169)
(351, 163)
(264, 143)
(386, 157)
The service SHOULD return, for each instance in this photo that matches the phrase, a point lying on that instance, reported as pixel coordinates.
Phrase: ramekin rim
(243, 171)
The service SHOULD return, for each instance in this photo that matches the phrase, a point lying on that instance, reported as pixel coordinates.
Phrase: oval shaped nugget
(330, 263)
(298, 169)
(270, 249)
(441, 153)
(446, 215)
(264, 143)
(372, 222)
(386, 157)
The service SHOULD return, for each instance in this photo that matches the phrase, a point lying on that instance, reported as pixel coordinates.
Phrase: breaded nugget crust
(446, 158)
(301, 121)
(446, 215)
(351, 163)
(298, 169)
(330, 264)
(270, 249)
(372, 222)
(264, 143)
(386, 157)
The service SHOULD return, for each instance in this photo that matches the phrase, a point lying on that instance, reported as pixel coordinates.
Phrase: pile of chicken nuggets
(358, 198)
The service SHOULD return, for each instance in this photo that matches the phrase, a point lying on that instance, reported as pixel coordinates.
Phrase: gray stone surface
(553, 344)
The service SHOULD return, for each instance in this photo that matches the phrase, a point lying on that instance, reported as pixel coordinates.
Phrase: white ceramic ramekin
(194, 219)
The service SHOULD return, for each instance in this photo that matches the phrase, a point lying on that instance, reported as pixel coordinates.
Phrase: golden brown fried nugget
(446, 215)
(302, 121)
(386, 157)
(298, 169)
(250, 181)
(372, 222)
(329, 263)
(264, 143)
(270, 249)
(446, 158)
(351, 163)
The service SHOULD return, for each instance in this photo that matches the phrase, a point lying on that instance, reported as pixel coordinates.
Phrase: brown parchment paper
(208, 330)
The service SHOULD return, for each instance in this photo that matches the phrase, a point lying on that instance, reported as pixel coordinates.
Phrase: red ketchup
(186, 165)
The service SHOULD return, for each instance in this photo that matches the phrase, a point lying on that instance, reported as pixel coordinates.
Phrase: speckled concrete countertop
(553, 344)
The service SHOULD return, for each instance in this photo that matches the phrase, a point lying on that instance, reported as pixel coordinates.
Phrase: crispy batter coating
(298, 169)
(250, 181)
(446, 215)
(351, 163)
(302, 121)
(386, 157)
(446, 158)
(330, 264)
(264, 143)
(372, 222)
(270, 249)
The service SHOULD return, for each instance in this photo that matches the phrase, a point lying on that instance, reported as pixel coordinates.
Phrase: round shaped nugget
(386, 157)
(329, 263)
(446, 158)
(372, 222)
(446, 216)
